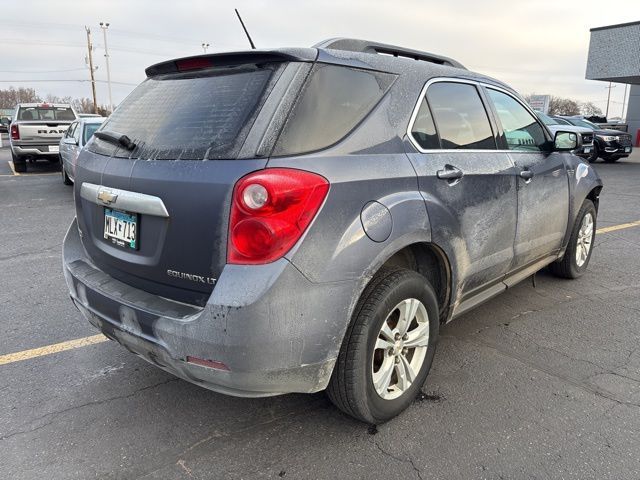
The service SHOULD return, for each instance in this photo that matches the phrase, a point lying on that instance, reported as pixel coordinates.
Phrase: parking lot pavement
(538, 383)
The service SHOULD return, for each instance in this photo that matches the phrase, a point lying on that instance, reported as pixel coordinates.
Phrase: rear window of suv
(189, 116)
(46, 113)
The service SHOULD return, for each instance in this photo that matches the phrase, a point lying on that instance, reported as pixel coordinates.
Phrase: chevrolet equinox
(295, 220)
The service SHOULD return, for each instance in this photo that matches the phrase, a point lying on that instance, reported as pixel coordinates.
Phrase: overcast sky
(535, 46)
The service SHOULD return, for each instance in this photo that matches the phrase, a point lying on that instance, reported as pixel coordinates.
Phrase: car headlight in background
(609, 138)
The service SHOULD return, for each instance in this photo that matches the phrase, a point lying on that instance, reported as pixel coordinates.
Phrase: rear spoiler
(255, 57)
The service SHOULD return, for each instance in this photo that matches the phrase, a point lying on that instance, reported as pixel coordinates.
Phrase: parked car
(4, 124)
(36, 130)
(294, 220)
(586, 133)
(610, 145)
(73, 141)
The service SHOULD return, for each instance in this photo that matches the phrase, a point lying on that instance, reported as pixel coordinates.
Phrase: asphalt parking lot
(538, 383)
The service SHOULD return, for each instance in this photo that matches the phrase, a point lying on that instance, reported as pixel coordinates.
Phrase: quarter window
(76, 133)
(521, 129)
(460, 116)
(423, 130)
(70, 130)
(334, 100)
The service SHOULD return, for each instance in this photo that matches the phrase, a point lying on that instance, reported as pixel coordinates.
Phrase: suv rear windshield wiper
(116, 139)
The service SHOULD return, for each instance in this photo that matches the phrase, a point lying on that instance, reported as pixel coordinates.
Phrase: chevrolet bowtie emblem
(105, 196)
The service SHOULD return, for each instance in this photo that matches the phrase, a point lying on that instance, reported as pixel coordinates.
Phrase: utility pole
(205, 46)
(104, 27)
(93, 80)
(609, 98)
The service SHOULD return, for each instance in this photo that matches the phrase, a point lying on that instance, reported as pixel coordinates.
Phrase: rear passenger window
(423, 130)
(334, 100)
(521, 129)
(460, 116)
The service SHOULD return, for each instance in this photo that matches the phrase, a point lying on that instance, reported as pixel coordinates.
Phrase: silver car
(71, 143)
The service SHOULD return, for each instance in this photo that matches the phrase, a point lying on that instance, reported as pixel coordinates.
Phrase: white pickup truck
(36, 130)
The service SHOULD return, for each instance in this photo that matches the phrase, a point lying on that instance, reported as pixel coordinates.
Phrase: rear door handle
(449, 173)
(526, 174)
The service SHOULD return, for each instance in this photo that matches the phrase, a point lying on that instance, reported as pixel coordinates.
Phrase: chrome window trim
(125, 200)
(477, 84)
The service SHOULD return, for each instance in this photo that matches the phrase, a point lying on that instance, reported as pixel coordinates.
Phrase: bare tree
(563, 106)
(10, 97)
(588, 109)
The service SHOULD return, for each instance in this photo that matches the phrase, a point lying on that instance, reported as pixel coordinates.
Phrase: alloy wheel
(400, 349)
(585, 239)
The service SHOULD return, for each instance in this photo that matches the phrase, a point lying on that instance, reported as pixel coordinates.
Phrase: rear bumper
(276, 331)
(33, 150)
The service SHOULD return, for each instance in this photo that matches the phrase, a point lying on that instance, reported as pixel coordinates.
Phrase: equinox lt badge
(192, 277)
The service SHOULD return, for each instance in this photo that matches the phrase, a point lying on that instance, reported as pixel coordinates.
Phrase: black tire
(53, 159)
(594, 154)
(19, 164)
(65, 178)
(568, 267)
(611, 159)
(351, 386)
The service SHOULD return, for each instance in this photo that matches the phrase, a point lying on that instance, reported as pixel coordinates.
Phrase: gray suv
(295, 220)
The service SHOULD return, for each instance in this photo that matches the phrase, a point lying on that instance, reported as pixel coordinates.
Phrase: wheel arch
(429, 260)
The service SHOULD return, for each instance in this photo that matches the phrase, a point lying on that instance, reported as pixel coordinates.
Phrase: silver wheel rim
(400, 350)
(585, 239)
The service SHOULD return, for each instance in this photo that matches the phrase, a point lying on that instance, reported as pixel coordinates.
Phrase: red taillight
(271, 209)
(15, 133)
(193, 64)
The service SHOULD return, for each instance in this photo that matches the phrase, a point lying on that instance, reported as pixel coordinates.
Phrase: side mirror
(566, 141)
(70, 141)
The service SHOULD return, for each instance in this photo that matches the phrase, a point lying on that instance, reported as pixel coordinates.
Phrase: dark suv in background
(610, 145)
(295, 220)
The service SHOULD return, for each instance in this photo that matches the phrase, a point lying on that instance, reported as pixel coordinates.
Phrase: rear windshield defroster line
(188, 117)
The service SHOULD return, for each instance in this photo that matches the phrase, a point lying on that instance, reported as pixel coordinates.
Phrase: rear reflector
(196, 63)
(208, 363)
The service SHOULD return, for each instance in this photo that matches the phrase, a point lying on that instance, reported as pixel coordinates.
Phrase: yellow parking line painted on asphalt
(13, 169)
(50, 349)
(618, 227)
(16, 174)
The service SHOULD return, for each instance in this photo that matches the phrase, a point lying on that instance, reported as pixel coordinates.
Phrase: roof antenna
(245, 29)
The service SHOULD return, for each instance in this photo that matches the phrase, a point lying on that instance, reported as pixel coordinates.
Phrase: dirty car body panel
(172, 294)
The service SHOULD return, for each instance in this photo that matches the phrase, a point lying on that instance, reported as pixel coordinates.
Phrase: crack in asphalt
(180, 458)
(27, 254)
(398, 459)
(593, 389)
(56, 414)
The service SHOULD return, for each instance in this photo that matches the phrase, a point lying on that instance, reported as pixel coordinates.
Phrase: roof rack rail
(365, 46)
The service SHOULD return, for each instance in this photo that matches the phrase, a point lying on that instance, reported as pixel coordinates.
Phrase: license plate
(627, 149)
(587, 150)
(121, 228)
(54, 148)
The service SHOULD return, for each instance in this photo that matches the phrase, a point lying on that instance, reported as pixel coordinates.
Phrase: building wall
(614, 53)
(633, 111)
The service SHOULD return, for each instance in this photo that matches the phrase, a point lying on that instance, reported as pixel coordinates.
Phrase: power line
(66, 80)
(43, 71)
